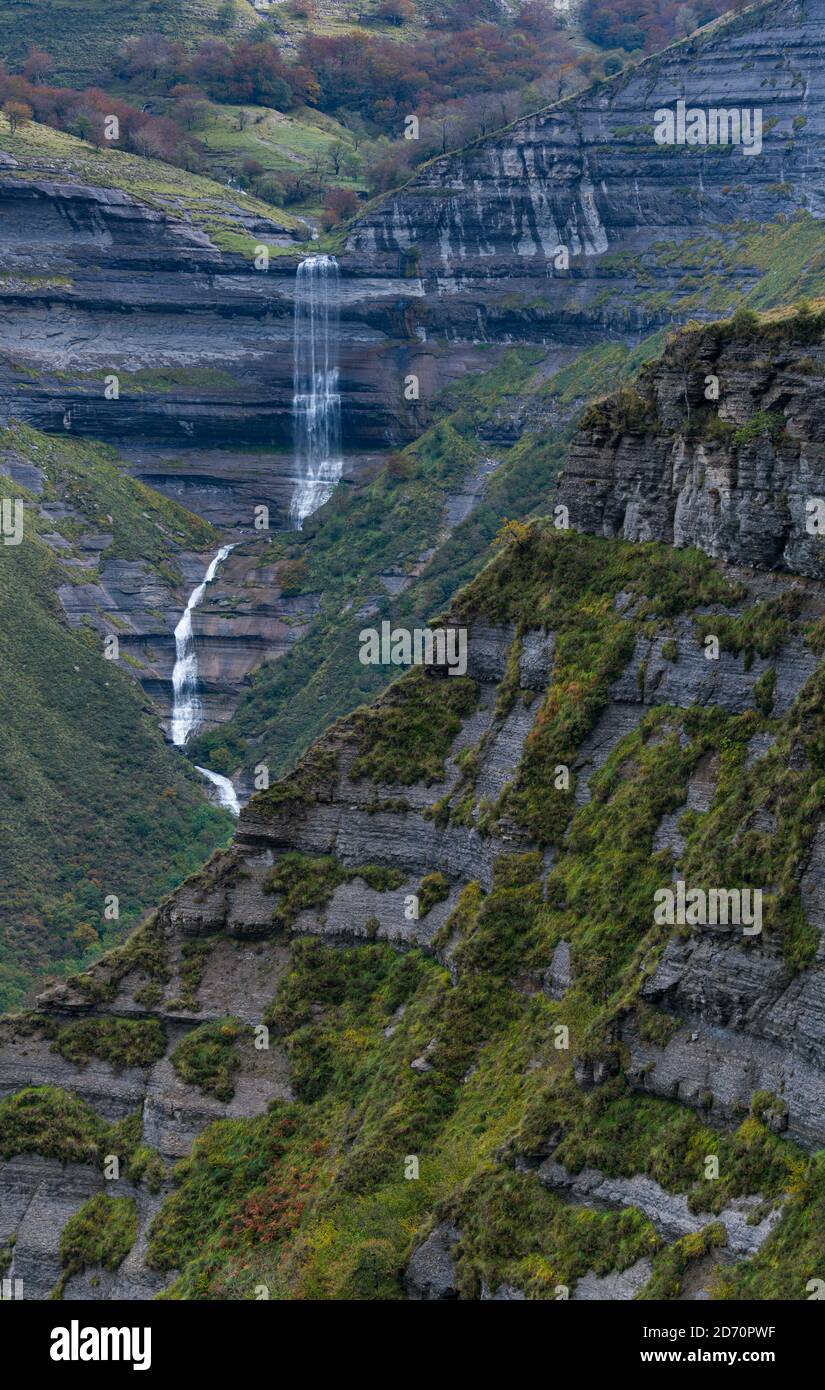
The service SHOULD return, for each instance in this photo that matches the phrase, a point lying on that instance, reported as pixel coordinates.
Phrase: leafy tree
(339, 204)
(17, 113)
(37, 66)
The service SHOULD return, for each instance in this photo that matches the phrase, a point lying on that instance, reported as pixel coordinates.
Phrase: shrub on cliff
(206, 1057)
(101, 1234)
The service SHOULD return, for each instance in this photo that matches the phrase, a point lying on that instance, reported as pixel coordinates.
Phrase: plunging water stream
(227, 796)
(187, 710)
(316, 402)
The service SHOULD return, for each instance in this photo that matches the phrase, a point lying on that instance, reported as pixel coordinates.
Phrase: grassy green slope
(328, 1211)
(218, 211)
(299, 142)
(87, 477)
(92, 801)
(82, 35)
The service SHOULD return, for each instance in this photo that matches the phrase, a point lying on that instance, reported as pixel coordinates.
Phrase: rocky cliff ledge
(720, 445)
(98, 283)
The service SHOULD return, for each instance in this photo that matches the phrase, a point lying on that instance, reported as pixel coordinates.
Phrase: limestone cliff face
(740, 475)
(465, 254)
(741, 478)
(98, 283)
(483, 227)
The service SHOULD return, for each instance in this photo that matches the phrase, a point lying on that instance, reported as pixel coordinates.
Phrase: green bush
(207, 1058)
(121, 1042)
(433, 888)
(406, 736)
(101, 1233)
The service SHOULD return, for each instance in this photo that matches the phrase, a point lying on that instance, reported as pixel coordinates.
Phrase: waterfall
(227, 796)
(186, 707)
(316, 402)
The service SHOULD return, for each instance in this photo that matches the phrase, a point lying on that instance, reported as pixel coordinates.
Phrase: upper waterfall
(316, 402)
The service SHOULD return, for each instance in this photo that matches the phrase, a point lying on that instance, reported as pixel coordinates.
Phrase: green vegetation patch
(120, 1041)
(514, 1231)
(54, 1123)
(162, 380)
(194, 958)
(303, 883)
(759, 631)
(407, 735)
(721, 846)
(434, 888)
(145, 952)
(229, 1161)
(569, 582)
(673, 1262)
(623, 1133)
(207, 1058)
(314, 778)
(100, 1234)
(793, 1256)
(623, 412)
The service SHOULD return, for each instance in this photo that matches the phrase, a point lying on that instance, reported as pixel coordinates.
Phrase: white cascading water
(187, 710)
(227, 796)
(186, 707)
(316, 402)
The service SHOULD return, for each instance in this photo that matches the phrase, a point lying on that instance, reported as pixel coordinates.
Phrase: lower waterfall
(227, 796)
(187, 710)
